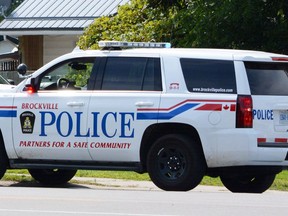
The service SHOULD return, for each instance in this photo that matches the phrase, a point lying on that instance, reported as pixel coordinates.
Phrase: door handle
(75, 104)
(144, 104)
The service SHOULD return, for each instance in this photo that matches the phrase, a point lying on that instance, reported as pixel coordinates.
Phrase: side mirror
(22, 69)
(31, 88)
(78, 66)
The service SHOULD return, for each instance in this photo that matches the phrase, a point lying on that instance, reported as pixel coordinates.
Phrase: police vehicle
(178, 114)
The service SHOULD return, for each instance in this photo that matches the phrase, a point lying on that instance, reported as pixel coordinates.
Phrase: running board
(79, 165)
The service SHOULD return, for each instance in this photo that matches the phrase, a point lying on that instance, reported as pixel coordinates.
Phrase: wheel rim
(246, 180)
(50, 171)
(171, 163)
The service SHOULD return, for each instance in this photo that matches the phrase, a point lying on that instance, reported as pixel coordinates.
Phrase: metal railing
(9, 65)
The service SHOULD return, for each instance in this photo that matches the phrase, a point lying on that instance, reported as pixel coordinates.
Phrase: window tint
(127, 73)
(267, 78)
(209, 76)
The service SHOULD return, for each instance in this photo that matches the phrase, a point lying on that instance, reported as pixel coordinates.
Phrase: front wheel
(176, 163)
(248, 184)
(3, 161)
(52, 176)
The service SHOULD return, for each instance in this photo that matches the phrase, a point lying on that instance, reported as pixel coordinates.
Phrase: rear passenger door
(124, 88)
(201, 93)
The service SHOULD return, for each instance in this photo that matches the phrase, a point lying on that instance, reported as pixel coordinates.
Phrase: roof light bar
(123, 44)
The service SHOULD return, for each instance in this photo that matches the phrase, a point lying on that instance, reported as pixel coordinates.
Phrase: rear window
(267, 78)
(209, 76)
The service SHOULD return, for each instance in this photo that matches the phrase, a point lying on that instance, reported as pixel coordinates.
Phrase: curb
(115, 183)
(107, 183)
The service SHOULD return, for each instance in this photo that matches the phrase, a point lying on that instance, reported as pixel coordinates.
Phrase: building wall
(57, 45)
(31, 51)
(37, 50)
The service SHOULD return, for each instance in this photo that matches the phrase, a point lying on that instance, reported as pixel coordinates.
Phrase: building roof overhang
(54, 17)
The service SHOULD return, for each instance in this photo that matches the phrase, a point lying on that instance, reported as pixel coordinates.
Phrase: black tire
(248, 184)
(3, 162)
(176, 163)
(52, 176)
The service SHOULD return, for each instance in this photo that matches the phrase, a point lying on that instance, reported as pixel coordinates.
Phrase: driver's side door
(52, 123)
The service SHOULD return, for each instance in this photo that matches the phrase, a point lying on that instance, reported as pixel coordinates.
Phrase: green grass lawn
(280, 183)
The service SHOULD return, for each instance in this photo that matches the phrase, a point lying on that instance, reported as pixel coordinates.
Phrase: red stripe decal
(233, 107)
(215, 107)
(8, 107)
(183, 102)
(261, 140)
(281, 140)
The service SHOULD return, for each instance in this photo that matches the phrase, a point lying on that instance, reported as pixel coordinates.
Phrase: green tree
(239, 24)
(13, 6)
(133, 22)
(165, 5)
(242, 24)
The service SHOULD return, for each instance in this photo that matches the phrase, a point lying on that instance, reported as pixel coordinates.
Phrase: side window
(132, 73)
(72, 74)
(209, 76)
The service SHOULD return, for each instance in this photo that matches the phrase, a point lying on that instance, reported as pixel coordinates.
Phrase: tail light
(244, 112)
(279, 59)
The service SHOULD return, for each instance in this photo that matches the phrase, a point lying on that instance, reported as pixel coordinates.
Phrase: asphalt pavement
(109, 183)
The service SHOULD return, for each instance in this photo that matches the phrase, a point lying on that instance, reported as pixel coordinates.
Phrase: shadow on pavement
(36, 184)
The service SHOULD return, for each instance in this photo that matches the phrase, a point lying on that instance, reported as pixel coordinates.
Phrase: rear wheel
(248, 184)
(176, 163)
(52, 176)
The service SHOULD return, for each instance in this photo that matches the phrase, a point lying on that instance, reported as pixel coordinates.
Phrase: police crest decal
(27, 120)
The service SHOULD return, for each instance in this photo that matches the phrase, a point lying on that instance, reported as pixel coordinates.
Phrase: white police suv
(178, 114)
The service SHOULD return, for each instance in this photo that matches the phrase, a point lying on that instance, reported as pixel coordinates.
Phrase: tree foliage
(165, 5)
(133, 22)
(245, 24)
(239, 24)
(13, 6)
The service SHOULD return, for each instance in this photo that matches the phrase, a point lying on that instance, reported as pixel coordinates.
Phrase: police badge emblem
(27, 120)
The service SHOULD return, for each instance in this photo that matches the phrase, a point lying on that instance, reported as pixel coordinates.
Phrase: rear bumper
(243, 147)
(272, 143)
(244, 171)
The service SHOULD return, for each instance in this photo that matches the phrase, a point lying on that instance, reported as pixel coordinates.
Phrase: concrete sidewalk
(133, 185)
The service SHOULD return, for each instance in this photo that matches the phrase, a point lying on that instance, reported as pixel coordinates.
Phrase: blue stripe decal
(167, 115)
(8, 113)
